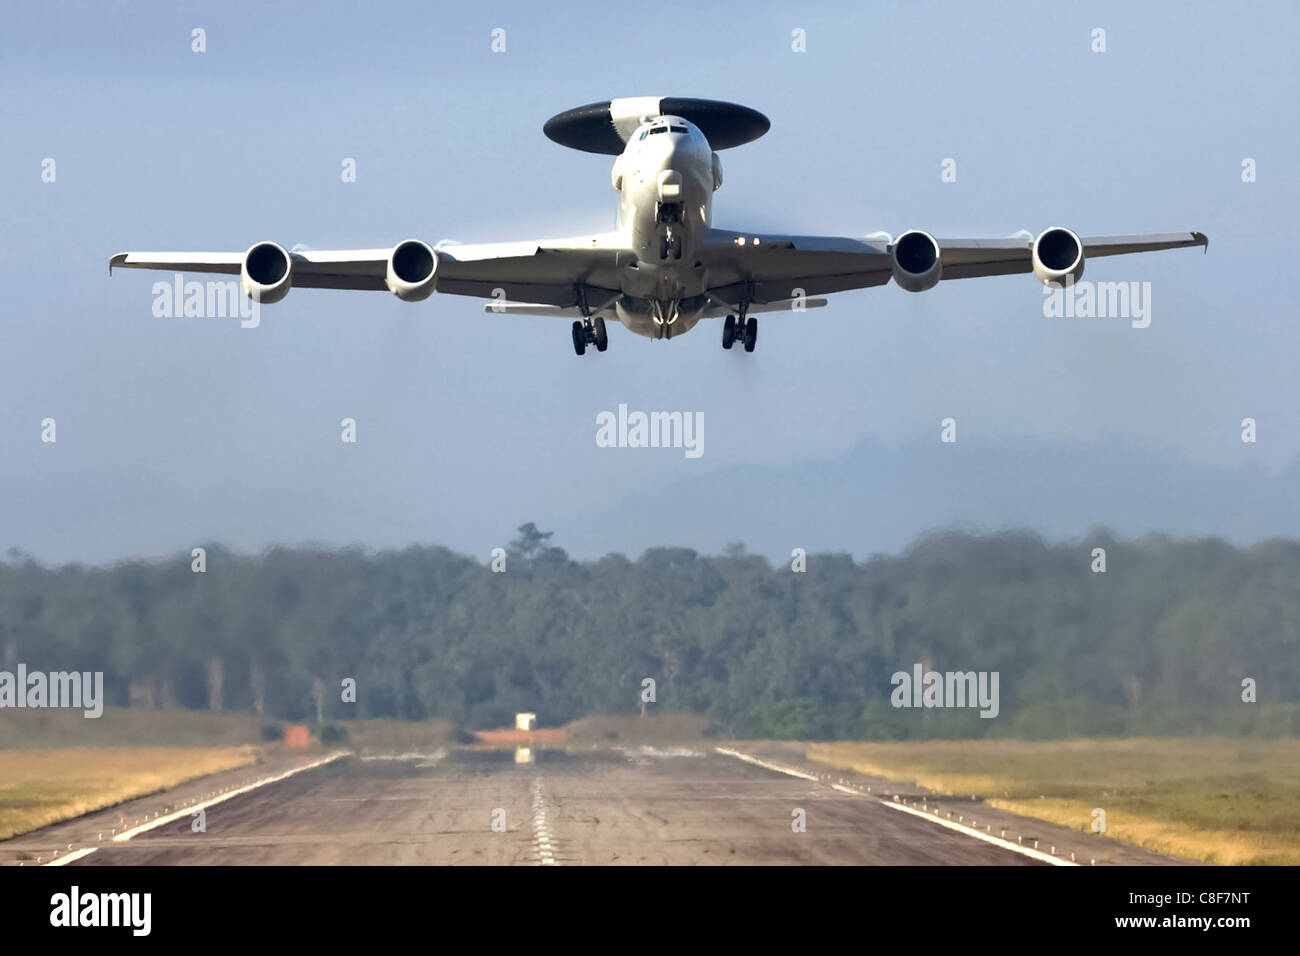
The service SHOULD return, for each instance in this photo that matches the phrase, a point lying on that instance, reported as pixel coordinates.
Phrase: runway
(610, 806)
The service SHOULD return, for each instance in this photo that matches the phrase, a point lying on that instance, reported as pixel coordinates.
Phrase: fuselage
(666, 177)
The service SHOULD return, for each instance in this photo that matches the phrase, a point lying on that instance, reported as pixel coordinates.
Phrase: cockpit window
(678, 129)
(659, 129)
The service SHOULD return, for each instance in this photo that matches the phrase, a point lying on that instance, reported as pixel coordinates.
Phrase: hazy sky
(176, 431)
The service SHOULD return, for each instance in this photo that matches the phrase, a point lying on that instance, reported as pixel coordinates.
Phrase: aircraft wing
(545, 272)
(552, 277)
(768, 268)
(971, 258)
(312, 269)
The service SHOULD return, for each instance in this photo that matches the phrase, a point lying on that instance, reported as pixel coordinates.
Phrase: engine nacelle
(266, 273)
(917, 265)
(1058, 254)
(412, 270)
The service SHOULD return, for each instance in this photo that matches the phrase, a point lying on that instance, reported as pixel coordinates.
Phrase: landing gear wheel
(751, 333)
(579, 338)
(728, 331)
(602, 337)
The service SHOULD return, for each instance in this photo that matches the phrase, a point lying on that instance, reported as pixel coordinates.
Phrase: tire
(729, 332)
(579, 339)
(602, 336)
(751, 333)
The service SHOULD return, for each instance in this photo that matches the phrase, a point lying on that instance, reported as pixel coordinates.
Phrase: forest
(1174, 637)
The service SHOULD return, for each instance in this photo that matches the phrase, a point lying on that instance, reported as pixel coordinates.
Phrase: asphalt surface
(638, 805)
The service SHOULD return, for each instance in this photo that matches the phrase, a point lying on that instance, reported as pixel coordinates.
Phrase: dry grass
(650, 729)
(396, 736)
(1228, 801)
(124, 727)
(39, 787)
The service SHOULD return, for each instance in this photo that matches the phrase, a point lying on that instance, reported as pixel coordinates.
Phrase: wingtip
(1202, 240)
(117, 260)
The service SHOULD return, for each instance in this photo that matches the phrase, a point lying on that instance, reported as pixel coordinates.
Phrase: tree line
(1175, 636)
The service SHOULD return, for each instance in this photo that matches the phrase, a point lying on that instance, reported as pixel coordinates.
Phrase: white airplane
(664, 267)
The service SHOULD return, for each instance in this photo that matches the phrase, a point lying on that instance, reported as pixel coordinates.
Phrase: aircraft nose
(670, 148)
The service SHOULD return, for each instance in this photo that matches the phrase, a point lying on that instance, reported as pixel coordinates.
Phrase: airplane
(664, 267)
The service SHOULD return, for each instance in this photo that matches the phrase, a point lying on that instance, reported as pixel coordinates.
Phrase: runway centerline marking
(541, 832)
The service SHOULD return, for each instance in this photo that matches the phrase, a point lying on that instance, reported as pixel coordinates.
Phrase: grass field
(124, 727)
(377, 735)
(1228, 801)
(38, 787)
(650, 729)
(57, 764)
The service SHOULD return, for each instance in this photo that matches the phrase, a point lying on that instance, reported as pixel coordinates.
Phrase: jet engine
(1058, 253)
(266, 273)
(917, 266)
(412, 270)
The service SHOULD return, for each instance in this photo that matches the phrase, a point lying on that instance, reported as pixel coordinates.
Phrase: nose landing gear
(670, 245)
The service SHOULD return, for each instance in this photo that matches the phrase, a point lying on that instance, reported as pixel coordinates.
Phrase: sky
(172, 432)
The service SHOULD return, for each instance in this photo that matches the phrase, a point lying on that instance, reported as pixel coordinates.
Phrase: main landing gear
(590, 332)
(744, 329)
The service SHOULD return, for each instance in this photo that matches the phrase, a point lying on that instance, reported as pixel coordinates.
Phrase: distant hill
(877, 498)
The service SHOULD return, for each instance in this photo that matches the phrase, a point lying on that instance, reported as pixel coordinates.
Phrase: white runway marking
(541, 831)
(222, 797)
(430, 760)
(73, 856)
(968, 831)
(160, 820)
